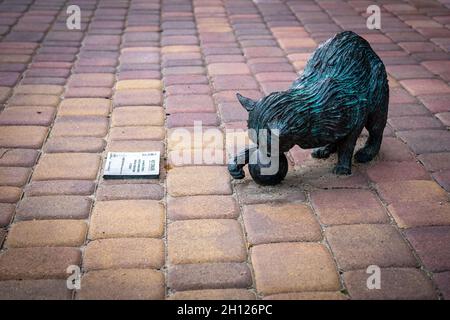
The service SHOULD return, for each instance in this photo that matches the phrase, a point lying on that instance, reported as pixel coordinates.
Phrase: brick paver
(140, 73)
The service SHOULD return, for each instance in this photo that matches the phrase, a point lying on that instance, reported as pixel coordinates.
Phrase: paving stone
(444, 117)
(443, 178)
(74, 144)
(251, 193)
(34, 290)
(124, 253)
(73, 126)
(436, 103)
(127, 218)
(91, 80)
(14, 176)
(137, 133)
(189, 103)
(53, 207)
(186, 181)
(266, 223)
(43, 233)
(443, 282)
(234, 82)
(60, 187)
(431, 245)
(414, 123)
(408, 111)
(188, 89)
(359, 246)
(135, 146)
(209, 276)
(202, 207)
(88, 92)
(138, 116)
(39, 89)
(190, 119)
(39, 116)
(138, 84)
(304, 267)
(435, 161)
(130, 191)
(392, 149)
(66, 166)
(396, 171)
(214, 294)
(346, 206)
(137, 97)
(425, 141)
(419, 87)
(318, 295)
(18, 157)
(10, 194)
(136, 284)
(412, 190)
(9, 79)
(84, 107)
(33, 100)
(396, 284)
(6, 213)
(228, 68)
(417, 213)
(37, 263)
(205, 241)
(29, 137)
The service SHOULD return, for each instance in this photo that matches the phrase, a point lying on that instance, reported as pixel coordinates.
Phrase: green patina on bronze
(343, 89)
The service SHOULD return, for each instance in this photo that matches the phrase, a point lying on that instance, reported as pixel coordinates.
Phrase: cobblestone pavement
(138, 70)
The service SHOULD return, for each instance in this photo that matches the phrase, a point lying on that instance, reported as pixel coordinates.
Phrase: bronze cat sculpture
(343, 89)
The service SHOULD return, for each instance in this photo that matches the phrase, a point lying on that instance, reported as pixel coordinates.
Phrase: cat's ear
(247, 103)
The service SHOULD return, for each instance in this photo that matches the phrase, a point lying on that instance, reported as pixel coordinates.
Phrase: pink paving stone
(137, 97)
(435, 161)
(127, 191)
(397, 284)
(265, 223)
(425, 141)
(228, 68)
(400, 95)
(393, 149)
(40, 116)
(60, 187)
(431, 245)
(413, 123)
(187, 89)
(436, 103)
(345, 206)
(438, 66)
(443, 178)
(91, 80)
(411, 190)
(188, 119)
(419, 87)
(443, 282)
(189, 103)
(444, 117)
(276, 76)
(185, 79)
(234, 82)
(359, 246)
(396, 171)
(6, 213)
(253, 52)
(18, 157)
(232, 111)
(416, 213)
(404, 110)
(9, 79)
(401, 72)
(230, 95)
